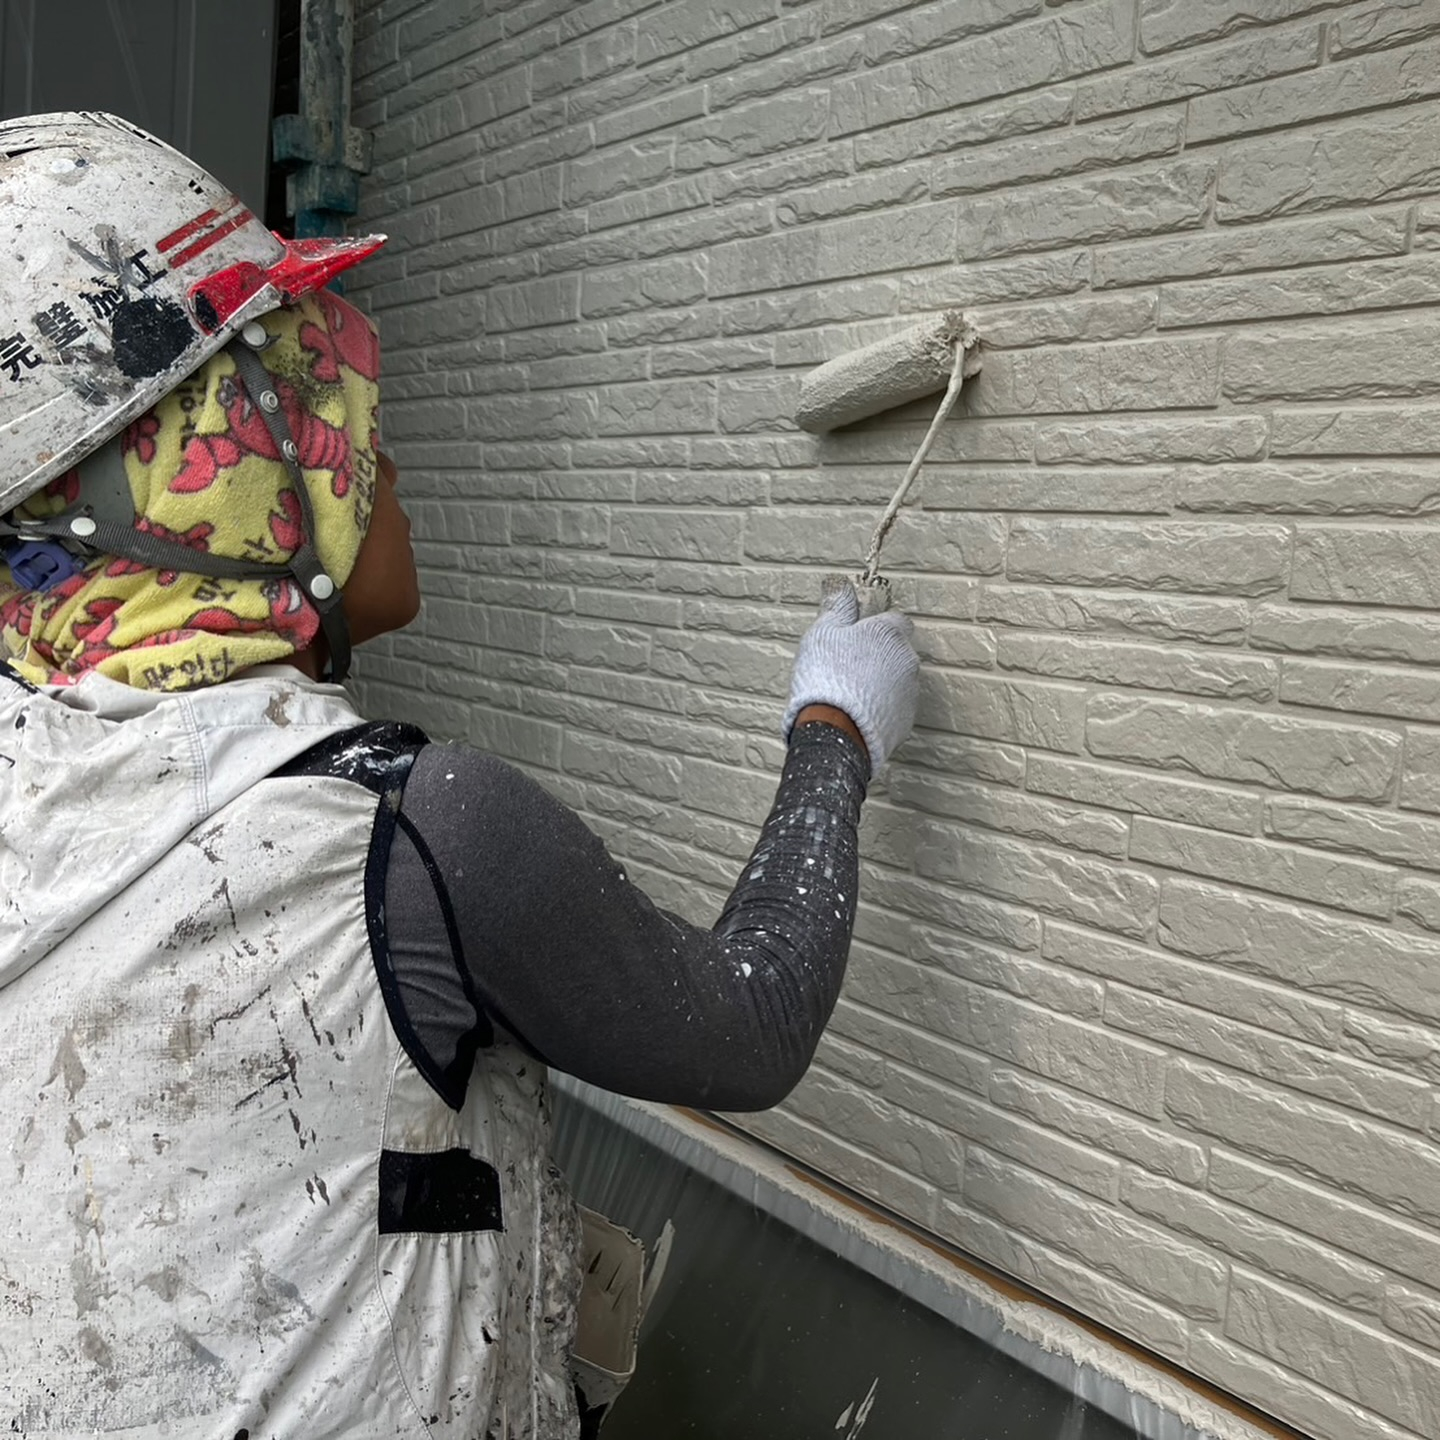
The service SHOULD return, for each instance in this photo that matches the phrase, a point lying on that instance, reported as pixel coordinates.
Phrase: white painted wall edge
(1155, 1404)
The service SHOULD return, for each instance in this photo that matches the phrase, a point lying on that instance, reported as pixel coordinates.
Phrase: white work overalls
(234, 1207)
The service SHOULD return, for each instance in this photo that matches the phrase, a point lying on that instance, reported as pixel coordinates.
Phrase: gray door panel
(197, 73)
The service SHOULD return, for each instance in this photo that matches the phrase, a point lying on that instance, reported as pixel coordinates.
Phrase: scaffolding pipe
(329, 154)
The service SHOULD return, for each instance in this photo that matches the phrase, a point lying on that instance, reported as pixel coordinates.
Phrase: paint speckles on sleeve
(561, 948)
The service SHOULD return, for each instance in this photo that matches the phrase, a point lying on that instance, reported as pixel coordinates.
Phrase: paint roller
(937, 355)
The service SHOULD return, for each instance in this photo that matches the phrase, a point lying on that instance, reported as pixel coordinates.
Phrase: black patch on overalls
(437, 1194)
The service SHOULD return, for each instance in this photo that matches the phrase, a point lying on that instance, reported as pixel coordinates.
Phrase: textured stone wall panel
(1144, 1001)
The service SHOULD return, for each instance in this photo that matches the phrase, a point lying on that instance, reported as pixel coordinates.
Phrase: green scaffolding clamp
(328, 153)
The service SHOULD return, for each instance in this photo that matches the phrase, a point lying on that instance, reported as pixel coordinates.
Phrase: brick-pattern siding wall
(1145, 1002)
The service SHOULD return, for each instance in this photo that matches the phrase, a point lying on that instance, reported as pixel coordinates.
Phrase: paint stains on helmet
(150, 335)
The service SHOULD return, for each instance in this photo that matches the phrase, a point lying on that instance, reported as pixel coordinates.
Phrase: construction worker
(278, 988)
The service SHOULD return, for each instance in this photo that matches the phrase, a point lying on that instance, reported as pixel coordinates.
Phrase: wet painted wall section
(1144, 1007)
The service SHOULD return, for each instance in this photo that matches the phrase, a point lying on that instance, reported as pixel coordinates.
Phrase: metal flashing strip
(1156, 1404)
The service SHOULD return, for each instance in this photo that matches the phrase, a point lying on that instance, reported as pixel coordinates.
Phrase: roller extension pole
(870, 575)
(939, 354)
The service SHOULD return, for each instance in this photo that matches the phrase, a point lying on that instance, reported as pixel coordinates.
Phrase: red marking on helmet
(186, 231)
(211, 237)
(306, 265)
(199, 223)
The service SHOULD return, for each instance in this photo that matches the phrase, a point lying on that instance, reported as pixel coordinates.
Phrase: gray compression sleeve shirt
(503, 907)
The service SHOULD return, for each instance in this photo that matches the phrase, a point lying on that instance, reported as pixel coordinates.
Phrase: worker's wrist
(829, 715)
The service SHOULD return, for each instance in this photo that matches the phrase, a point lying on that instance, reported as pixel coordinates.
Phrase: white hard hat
(125, 266)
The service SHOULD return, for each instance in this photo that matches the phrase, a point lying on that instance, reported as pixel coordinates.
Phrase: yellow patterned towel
(203, 470)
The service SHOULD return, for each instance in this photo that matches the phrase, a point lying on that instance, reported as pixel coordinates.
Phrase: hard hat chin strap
(48, 542)
(304, 564)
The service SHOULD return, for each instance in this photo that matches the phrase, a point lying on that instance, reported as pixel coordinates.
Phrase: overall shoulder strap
(379, 756)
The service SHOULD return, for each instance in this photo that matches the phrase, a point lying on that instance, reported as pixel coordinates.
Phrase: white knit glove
(867, 668)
